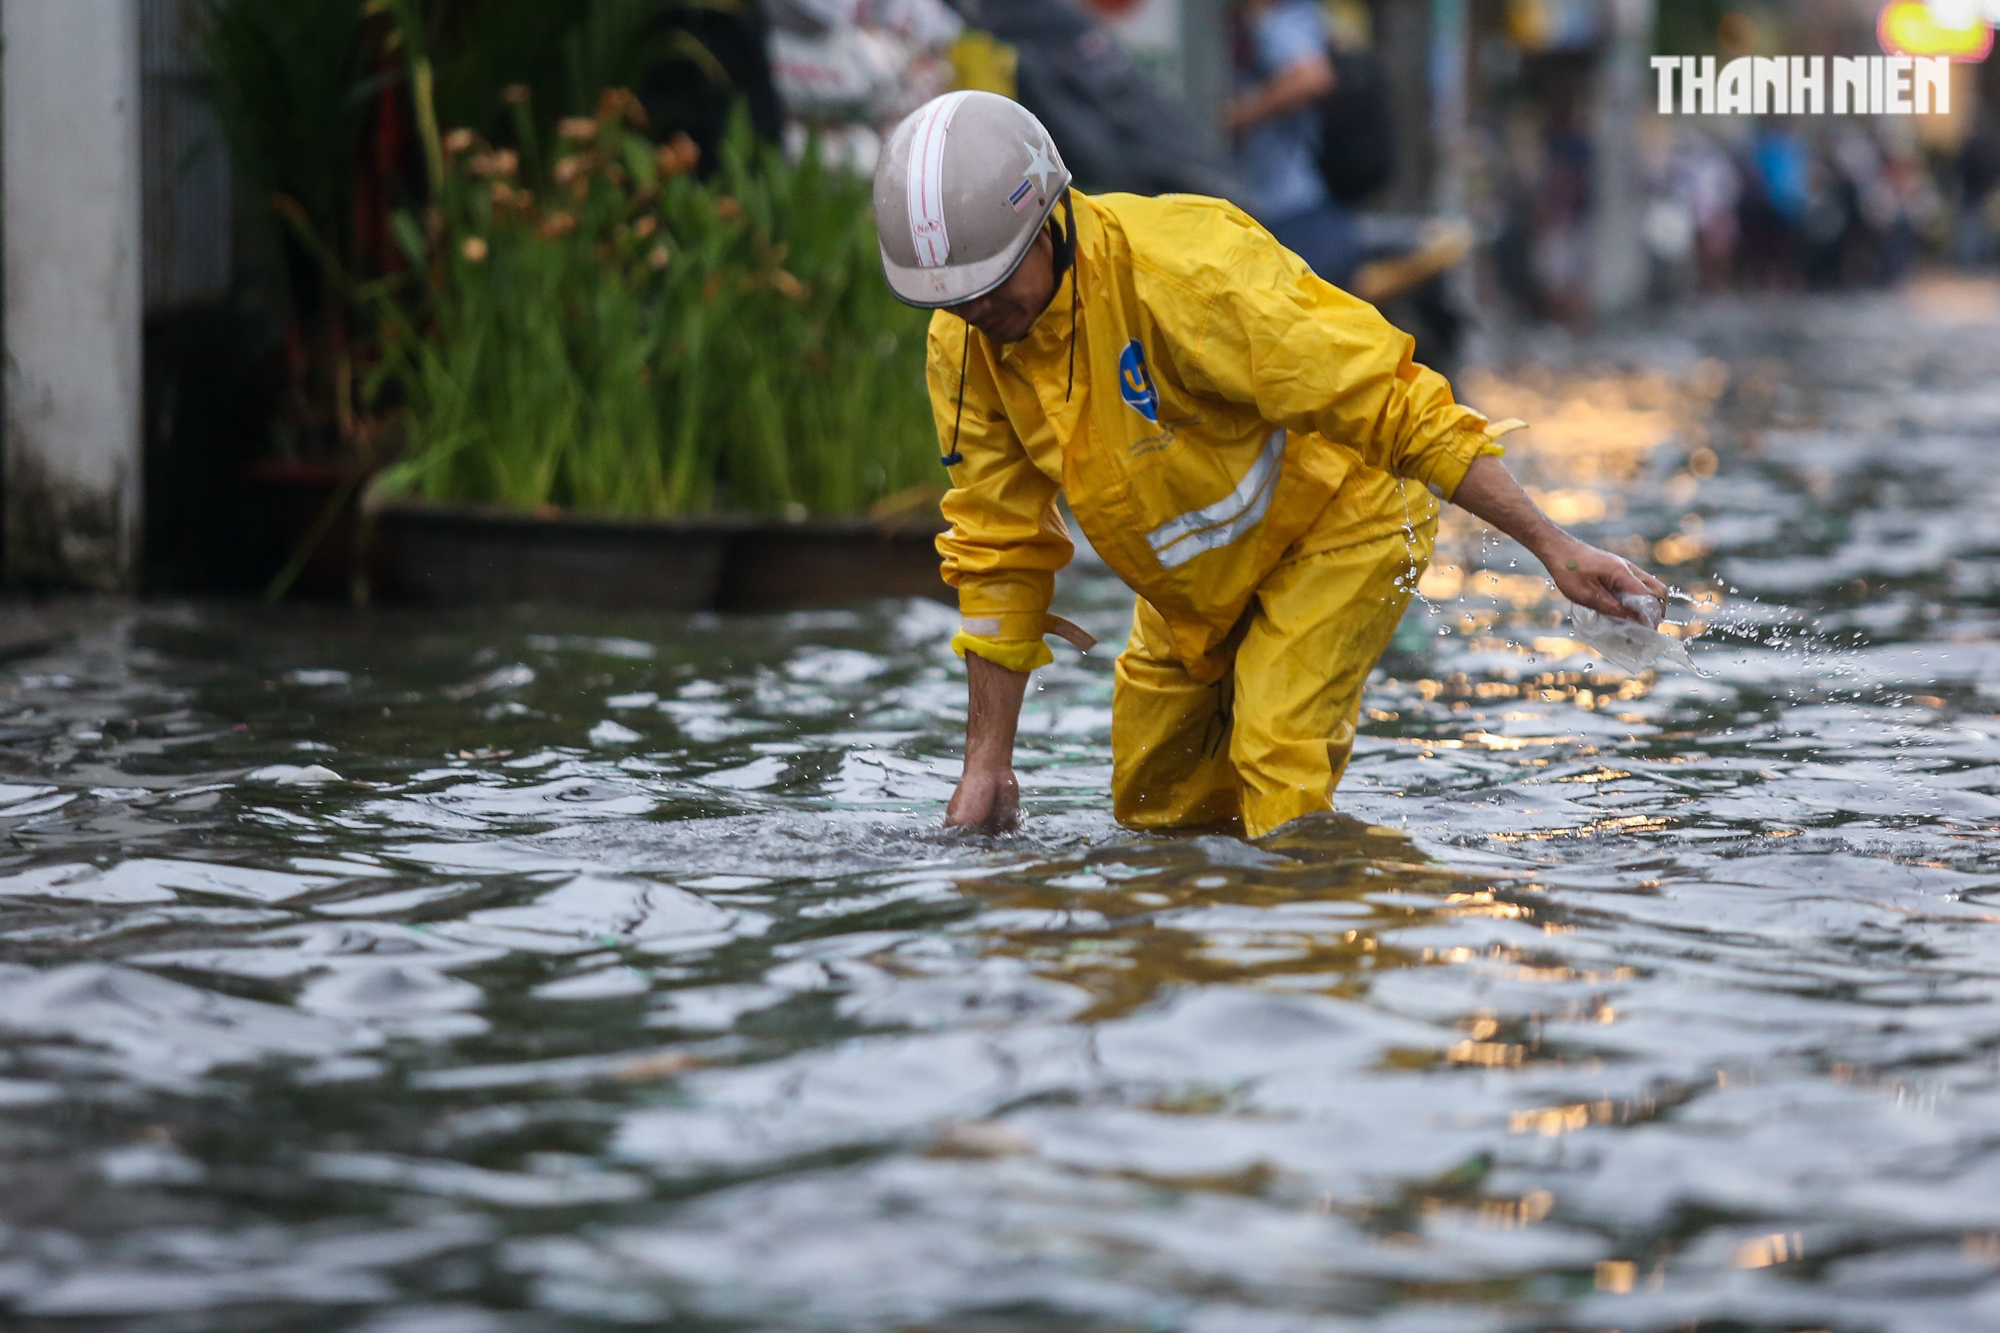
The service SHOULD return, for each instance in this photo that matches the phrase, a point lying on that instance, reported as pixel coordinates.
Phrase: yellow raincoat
(1236, 433)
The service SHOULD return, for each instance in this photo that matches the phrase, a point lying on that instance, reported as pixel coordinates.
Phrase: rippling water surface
(536, 971)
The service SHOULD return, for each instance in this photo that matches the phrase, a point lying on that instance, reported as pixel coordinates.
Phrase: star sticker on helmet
(1040, 167)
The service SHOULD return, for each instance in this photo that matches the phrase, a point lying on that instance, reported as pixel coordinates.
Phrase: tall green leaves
(569, 52)
(289, 82)
(629, 340)
(573, 320)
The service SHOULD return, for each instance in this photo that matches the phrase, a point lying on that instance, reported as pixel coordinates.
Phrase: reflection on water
(460, 974)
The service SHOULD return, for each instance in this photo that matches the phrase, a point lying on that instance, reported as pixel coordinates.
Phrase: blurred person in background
(1703, 178)
(1978, 171)
(1290, 96)
(847, 71)
(1861, 229)
(1772, 211)
(1283, 72)
(1553, 212)
(1918, 203)
(1119, 129)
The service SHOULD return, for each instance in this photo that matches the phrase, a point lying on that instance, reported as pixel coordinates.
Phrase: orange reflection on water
(1321, 920)
(1586, 459)
(1555, 1121)
(1765, 1251)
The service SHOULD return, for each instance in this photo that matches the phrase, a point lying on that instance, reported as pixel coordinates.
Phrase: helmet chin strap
(1064, 235)
(954, 458)
(1065, 258)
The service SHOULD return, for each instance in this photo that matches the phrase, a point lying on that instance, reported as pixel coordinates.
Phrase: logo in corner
(1135, 383)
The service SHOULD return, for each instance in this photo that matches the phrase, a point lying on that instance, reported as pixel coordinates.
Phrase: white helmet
(961, 189)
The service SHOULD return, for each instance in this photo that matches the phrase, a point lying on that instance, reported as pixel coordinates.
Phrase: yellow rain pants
(1268, 738)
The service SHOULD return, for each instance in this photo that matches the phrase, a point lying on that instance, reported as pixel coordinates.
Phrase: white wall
(69, 173)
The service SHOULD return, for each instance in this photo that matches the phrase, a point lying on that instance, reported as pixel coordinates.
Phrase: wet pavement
(458, 974)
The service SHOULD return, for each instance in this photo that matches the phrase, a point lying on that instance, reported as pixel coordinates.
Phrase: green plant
(623, 338)
(289, 83)
(477, 50)
(628, 339)
(328, 107)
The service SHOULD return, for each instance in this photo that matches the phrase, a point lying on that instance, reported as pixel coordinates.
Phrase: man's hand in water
(1583, 573)
(988, 798)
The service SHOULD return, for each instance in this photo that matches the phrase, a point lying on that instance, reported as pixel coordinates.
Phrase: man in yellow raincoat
(1250, 448)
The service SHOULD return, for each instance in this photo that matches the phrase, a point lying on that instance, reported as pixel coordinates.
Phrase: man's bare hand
(1585, 574)
(987, 799)
(1593, 577)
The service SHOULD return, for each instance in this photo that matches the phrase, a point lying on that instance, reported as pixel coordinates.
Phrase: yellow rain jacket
(1222, 394)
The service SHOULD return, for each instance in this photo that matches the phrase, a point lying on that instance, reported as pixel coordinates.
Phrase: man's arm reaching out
(1585, 574)
(989, 799)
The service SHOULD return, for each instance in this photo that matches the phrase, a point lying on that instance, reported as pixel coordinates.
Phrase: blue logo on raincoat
(1135, 383)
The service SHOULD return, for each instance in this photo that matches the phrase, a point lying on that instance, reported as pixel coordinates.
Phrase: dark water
(497, 972)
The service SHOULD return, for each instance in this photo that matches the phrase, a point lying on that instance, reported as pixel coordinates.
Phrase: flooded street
(481, 973)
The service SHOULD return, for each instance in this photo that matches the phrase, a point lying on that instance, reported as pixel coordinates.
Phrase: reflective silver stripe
(980, 627)
(925, 192)
(1198, 531)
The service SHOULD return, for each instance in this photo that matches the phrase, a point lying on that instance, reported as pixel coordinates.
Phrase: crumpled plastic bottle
(1631, 645)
